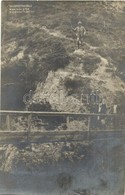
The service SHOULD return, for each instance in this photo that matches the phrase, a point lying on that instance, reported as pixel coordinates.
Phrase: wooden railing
(92, 118)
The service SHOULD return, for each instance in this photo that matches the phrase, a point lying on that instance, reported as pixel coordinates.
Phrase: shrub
(57, 56)
(70, 83)
(90, 64)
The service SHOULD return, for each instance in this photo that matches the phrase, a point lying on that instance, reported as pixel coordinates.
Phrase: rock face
(42, 56)
(68, 98)
(34, 157)
(54, 92)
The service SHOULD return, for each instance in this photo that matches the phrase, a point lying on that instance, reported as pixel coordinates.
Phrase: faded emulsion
(62, 111)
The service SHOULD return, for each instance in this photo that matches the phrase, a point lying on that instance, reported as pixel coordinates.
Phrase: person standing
(102, 110)
(80, 32)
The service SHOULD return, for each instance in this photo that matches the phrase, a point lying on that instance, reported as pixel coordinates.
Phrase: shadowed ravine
(101, 172)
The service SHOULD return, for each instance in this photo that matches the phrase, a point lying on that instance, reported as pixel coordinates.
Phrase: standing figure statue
(80, 32)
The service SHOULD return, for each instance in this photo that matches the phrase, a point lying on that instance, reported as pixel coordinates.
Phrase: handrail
(29, 114)
(56, 113)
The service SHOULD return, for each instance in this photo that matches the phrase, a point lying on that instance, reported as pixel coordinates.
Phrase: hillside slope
(39, 53)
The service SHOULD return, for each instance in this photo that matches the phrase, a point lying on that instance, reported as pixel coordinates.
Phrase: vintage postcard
(62, 98)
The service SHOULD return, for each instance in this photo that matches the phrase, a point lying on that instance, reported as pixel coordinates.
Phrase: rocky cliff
(39, 53)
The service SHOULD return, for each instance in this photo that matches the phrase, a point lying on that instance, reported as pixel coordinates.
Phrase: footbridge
(41, 127)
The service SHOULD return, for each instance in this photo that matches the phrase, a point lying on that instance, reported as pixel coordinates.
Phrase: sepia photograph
(62, 115)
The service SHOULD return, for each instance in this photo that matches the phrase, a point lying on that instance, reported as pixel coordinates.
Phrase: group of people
(98, 108)
(98, 105)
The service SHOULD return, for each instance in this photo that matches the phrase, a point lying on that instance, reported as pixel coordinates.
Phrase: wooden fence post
(89, 122)
(67, 121)
(29, 125)
(29, 121)
(8, 122)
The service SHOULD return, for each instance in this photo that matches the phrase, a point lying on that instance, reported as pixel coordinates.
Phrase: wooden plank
(89, 122)
(29, 122)
(12, 137)
(8, 122)
(58, 136)
(67, 121)
(55, 113)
